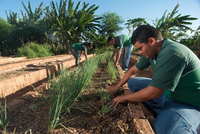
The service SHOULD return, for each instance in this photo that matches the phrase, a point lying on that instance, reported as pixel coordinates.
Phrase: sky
(127, 9)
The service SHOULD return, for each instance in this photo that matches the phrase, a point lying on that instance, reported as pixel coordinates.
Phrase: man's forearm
(118, 56)
(85, 55)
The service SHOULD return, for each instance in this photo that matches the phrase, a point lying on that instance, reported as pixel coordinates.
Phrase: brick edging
(141, 123)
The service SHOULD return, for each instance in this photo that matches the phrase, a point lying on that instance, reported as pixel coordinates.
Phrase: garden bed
(29, 113)
(85, 117)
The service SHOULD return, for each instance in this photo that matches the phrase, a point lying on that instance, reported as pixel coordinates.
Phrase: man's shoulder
(76, 44)
(121, 37)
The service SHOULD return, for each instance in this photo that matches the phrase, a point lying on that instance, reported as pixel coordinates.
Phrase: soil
(84, 117)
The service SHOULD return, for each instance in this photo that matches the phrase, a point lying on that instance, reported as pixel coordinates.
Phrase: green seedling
(112, 71)
(105, 96)
(105, 109)
(108, 81)
(4, 117)
(32, 107)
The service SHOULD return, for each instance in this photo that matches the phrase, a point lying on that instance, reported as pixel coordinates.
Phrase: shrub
(26, 51)
(34, 50)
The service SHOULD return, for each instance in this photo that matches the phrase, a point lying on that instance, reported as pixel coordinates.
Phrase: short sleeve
(143, 63)
(168, 72)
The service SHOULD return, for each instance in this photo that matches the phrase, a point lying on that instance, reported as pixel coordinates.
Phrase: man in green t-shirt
(121, 43)
(173, 93)
(78, 49)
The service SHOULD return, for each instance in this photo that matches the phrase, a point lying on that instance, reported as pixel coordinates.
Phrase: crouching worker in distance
(173, 92)
(78, 49)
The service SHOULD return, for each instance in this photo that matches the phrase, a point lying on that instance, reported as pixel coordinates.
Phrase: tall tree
(133, 23)
(110, 23)
(69, 23)
(170, 23)
(86, 20)
(29, 18)
(193, 42)
(5, 31)
(27, 27)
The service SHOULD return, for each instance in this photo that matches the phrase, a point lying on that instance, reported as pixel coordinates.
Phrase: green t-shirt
(122, 41)
(176, 70)
(79, 47)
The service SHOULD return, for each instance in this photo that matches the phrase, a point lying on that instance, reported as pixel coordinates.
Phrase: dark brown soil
(84, 117)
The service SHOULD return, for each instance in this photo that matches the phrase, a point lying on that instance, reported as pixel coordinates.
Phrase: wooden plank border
(141, 123)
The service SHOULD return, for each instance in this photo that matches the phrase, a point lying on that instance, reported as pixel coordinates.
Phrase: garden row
(63, 96)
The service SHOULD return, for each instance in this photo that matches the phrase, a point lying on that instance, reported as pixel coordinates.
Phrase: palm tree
(133, 23)
(69, 23)
(86, 20)
(110, 23)
(170, 23)
(12, 18)
(29, 18)
(32, 18)
(27, 27)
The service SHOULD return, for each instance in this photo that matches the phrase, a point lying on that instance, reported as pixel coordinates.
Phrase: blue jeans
(76, 55)
(173, 117)
(126, 54)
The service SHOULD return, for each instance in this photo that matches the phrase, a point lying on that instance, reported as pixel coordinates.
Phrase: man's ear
(152, 40)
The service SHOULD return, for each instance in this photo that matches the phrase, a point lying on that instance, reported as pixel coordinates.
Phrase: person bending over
(77, 49)
(173, 92)
(121, 43)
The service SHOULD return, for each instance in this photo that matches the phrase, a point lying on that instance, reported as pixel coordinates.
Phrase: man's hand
(116, 63)
(118, 100)
(111, 89)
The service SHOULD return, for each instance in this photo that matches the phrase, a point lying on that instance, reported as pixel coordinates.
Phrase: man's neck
(159, 45)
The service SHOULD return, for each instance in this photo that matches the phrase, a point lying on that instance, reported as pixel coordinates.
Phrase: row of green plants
(105, 97)
(66, 90)
(112, 71)
(102, 92)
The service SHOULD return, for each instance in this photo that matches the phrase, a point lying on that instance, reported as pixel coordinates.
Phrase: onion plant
(106, 104)
(4, 117)
(66, 89)
(112, 71)
(105, 96)
(105, 109)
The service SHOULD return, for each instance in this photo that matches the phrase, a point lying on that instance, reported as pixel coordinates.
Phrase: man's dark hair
(109, 38)
(88, 44)
(144, 32)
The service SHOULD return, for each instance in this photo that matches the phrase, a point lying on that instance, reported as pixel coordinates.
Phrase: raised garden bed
(33, 72)
(31, 115)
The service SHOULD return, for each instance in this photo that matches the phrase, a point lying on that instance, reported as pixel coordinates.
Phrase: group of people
(173, 92)
(122, 49)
